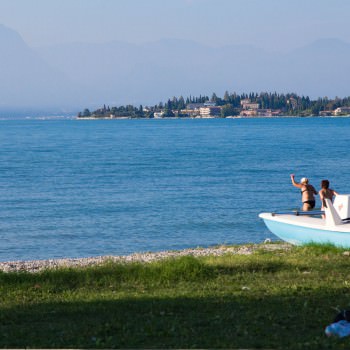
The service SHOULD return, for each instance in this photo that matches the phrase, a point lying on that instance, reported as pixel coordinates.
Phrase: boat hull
(299, 233)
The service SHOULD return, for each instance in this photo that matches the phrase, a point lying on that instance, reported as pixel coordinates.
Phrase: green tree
(168, 113)
(86, 113)
(214, 98)
(181, 103)
(227, 110)
(226, 97)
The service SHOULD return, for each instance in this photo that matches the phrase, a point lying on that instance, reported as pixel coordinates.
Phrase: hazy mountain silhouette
(26, 79)
(87, 75)
(128, 73)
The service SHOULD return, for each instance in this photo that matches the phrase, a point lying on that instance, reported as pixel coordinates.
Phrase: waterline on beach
(40, 265)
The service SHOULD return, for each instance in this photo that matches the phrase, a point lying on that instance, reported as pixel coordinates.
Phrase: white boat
(302, 227)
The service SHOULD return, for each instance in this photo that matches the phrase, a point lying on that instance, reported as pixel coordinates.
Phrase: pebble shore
(39, 265)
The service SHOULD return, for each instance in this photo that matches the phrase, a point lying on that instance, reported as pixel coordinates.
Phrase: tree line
(288, 104)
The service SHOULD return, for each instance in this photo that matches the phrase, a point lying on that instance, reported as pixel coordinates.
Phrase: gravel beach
(39, 265)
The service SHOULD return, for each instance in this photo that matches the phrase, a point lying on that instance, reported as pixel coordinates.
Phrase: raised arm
(320, 193)
(296, 184)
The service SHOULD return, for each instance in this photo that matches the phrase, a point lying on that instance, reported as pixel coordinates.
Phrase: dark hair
(342, 315)
(324, 183)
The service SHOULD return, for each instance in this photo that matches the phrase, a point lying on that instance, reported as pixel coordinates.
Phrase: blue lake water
(78, 188)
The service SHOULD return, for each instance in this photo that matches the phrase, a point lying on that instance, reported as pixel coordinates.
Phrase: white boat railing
(299, 212)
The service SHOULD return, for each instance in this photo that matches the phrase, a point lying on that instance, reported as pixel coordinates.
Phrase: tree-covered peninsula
(262, 104)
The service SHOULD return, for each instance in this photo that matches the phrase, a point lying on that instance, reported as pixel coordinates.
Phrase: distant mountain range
(79, 75)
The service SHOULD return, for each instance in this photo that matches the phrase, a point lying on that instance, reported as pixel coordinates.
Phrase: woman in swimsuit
(307, 192)
(326, 192)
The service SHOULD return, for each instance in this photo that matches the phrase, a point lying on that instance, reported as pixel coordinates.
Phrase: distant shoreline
(201, 118)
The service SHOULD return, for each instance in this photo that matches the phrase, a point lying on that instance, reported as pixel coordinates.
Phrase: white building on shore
(342, 111)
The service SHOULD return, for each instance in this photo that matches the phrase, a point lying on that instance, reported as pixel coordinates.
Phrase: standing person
(326, 192)
(307, 192)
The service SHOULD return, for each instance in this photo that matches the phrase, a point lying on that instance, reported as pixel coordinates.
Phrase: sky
(270, 24)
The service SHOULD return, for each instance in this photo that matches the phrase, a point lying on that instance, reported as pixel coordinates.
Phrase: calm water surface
(72, 188)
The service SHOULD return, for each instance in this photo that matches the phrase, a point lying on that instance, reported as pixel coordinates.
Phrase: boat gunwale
(306, 222)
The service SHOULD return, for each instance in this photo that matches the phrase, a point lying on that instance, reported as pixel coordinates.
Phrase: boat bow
(303, 227)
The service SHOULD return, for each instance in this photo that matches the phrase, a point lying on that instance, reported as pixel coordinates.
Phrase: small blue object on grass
(340, 329)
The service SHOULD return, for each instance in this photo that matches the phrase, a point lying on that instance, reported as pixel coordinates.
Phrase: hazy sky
(271, 24)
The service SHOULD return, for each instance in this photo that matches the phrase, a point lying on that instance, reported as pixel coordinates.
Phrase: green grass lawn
(281, 299)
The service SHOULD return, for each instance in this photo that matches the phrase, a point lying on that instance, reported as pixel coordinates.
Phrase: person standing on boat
(326, 192)
(308, 192)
